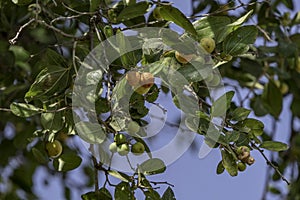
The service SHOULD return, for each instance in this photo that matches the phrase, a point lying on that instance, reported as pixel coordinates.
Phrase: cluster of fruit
(245, 157)
(121, 146)
(140, 81)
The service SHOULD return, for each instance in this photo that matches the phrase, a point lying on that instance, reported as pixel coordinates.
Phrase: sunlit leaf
(238, 41)
(67, 162)
(170, 13)
(274, 146)
(24, 109)
(152, 166)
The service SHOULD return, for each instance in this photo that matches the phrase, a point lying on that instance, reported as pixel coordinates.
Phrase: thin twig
(270, 163)
(14, 40)
(5, 109)
(96, 173)
(164, 182)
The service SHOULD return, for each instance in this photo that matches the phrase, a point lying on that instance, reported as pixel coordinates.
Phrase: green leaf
(123, 177)
(123, 191)
(214, 27)
(169, 13)
(237, 42)
(24, 110)
(94, 5)
(240, 114)
(229, 163)
(257, 105)
(92, 133)
(274, 146)
(232, 136)
(151, 195)
(50, 80)
(272, 98)
(125, 50)
(250, 125)
(39, 156)
(242, 19)
(67, 162)
(20, 53)
(52, 121)
(133, 11)
(221, 105)
(220, 168)
(102, 194)
(152, 166)
(168, 194)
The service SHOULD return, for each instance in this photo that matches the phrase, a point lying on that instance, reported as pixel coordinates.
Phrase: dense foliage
(44, 45)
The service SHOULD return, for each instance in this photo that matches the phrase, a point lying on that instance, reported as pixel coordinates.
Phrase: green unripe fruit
(120, 139)
(133, 127)
(54, 149)
(138, 148)
(123, 149)
(242, 149)
(284, 88)
(113, 147)
(208, 44)
(241, 166)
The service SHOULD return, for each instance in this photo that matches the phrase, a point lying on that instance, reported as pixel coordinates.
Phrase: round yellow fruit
(208, 44)
(183, 58)
(138, 148)
(54, 149)
(123, 149)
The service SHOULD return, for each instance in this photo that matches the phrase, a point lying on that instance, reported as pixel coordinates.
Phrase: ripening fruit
(133, 127)
(243, 153)
(123, 149)
(120, 139)
(113, 147)
(138, 148)
(208, 44)
(54, 149)
(250, 160)
(183, 58)
(241, 166)
(156, 13)
(147, 80)
(133, 78)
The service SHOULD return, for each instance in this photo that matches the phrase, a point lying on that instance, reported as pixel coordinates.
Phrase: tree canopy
(94, 76)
